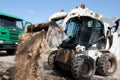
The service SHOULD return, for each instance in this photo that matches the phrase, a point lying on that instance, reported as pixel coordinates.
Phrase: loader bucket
(40, 26)
(37, 40)
(55, 35)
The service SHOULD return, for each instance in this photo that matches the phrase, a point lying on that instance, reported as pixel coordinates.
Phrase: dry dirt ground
(7, 70)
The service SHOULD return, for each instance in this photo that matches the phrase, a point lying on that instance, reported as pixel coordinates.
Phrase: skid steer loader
(92, 45)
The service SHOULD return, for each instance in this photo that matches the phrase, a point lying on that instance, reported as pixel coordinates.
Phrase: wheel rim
(110, 65)
(51, 60)
(85, 69)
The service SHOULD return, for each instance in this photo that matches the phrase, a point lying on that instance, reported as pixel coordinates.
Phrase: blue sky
(39, 10)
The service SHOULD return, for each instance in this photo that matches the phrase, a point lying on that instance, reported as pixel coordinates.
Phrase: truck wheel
(11, 51)
(51, 59)
(82, 67)
(106, 64)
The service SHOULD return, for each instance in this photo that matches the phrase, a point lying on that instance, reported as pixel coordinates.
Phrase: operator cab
(84, 31)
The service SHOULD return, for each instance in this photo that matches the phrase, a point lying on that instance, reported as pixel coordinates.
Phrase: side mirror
(27, 24)
(109, 32)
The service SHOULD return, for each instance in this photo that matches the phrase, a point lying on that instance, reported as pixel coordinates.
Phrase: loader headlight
(1, 42)
(82, 6)
(80, 48)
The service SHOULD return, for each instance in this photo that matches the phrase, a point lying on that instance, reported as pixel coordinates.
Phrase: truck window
(19, 24)
(11, 23)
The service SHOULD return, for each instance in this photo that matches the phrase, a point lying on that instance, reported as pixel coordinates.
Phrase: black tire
(11, 51)
(56, 66)
(82, 67)
(106, 64)
(51, 60)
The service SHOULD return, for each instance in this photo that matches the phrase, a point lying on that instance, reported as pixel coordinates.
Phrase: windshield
(82, 31)
(11, 23)
(85, 31)
(91, 32)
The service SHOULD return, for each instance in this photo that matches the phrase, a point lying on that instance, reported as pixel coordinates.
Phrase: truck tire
(106, 64)
(82, 67)
(51, 60)
(11, 51)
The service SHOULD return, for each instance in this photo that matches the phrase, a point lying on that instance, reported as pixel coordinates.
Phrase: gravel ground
(7, 66)
(7, 70)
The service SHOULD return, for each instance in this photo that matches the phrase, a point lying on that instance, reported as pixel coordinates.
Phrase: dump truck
(10, 28)
(84, 43)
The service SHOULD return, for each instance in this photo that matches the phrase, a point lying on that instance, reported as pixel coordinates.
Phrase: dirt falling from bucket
(38, 40)
(31, 46)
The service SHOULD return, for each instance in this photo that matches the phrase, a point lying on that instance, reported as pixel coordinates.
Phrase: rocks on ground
(7, 71)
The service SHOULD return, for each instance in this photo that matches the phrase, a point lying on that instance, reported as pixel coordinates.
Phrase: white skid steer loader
(92, 44)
